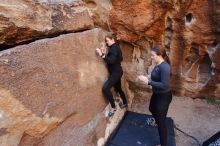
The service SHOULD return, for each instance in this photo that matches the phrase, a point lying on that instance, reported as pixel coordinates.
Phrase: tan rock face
(49, 83)
(99, 11)
(15, 119)
(22, 21)
(188, 30)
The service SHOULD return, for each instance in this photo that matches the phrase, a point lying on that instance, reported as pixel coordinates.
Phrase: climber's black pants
(114, 80)
(159, 105)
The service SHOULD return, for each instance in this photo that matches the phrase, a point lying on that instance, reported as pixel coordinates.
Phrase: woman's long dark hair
(161, 51)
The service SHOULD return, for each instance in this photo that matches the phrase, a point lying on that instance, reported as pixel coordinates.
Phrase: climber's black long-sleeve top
(113, 59)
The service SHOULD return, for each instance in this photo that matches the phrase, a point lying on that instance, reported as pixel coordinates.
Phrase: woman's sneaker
(112, 112)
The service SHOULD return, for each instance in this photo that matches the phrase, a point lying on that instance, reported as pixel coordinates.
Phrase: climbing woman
(113, 60)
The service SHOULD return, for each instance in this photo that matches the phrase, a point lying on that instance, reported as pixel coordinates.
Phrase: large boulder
(53, 84)
(22, 21)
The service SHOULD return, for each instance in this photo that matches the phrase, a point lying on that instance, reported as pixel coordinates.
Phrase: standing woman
(113, 60)
(161, 96)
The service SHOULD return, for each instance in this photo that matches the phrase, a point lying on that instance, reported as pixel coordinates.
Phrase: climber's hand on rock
(103, 48)
(98, 51)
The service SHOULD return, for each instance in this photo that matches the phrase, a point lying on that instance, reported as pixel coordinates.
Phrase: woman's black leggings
(159, 105)
(114, 80)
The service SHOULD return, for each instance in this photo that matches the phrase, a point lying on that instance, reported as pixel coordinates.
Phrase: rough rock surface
(99, 11)
(50, 83)
(22, 21)
(189, 30)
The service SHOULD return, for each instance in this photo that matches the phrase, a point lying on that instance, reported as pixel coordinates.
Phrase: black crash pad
(213, 141)
(136, 130)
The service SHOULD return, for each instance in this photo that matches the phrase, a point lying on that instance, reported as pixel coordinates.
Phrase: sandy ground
(196, 117)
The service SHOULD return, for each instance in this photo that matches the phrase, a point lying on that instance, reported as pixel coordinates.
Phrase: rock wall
(29, 20)
(48, 84)
(50, 89)
(25, 21)
(187, 29)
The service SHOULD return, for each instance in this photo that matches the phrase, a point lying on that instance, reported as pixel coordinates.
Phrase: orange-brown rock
(99, 11)
(189, 30)
(22, 21)
(53, 84)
